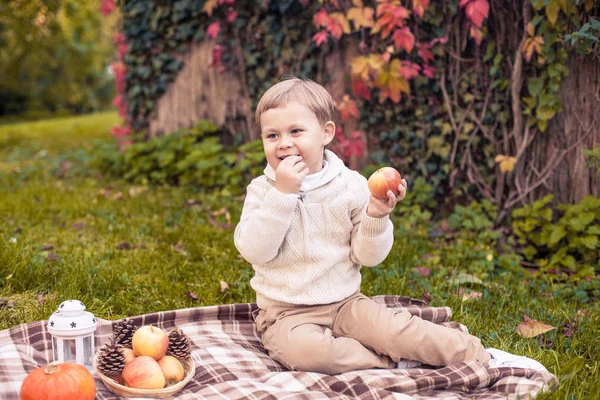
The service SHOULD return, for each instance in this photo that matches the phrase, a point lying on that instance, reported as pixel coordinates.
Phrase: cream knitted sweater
(308, 249)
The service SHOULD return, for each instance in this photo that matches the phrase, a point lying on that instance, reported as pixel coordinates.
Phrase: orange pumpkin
(59, 381)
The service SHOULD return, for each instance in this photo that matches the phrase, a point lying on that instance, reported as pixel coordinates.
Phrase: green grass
(67, 232)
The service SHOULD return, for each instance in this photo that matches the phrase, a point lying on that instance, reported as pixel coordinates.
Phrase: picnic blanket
(232, 364)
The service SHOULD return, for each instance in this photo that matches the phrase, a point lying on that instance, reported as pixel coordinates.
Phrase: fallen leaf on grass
(463, 277)
(192, 295)
(47, 247)
(224, 286)
(137, 190)
(79, 225)
(124, 246)
(471, 295)
(531, 328)
(7, 303)
(422, 271)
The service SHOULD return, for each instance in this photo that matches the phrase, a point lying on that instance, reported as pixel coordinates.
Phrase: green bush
(192, 156)
(563, 241)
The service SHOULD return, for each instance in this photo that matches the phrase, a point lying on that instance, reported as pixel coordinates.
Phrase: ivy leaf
(507, 163)
(545, 113)
(320, 37)
(410, 70)
(403, 38)
(362, 17)
(552, 12)
(476, 34)
(392, 83)
(476, 10)
(419, 7)
(531, 328)
(365, 66)
(389, 17)
(359, 88)
(321, 18)
(213, 29)
(591, 242)
(347, 108)
(425, 53)
(531, 45)
(209, 7)
(356, 145)
(337, 25)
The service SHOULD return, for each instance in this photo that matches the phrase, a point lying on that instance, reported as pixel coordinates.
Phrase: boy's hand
(289, 174)
(380, 208)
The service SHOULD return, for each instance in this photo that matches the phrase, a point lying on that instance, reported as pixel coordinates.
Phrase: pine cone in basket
(179, 344)
(111, 359)
(123, 332)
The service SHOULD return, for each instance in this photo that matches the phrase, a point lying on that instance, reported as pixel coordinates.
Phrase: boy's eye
(296, 130)
(271, 136)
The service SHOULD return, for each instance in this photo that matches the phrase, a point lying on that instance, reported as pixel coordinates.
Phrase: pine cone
(123, 332)
(111, 359)
(179, 344)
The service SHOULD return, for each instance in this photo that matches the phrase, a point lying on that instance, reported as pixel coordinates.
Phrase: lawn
(67, 232)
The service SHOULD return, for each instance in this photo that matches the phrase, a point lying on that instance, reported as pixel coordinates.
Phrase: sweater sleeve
(372, 238)
(265, 220)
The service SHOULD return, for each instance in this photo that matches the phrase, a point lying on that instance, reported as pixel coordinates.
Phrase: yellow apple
(172, 369)
(143, 372)
(150, 341)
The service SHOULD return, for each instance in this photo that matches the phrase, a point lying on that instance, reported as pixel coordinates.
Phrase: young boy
(307, 226)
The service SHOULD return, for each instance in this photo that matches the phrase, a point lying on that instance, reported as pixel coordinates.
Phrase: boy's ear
(329, 132)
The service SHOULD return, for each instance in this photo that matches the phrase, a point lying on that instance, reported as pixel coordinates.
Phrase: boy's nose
(285, 144)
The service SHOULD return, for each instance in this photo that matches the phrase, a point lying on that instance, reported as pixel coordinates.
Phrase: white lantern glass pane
(87, 350)
(69, 350)
(55, 349)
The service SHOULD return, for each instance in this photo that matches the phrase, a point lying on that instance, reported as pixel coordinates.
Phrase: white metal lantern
(72, 329)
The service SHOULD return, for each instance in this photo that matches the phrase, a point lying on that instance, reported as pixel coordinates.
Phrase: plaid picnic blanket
(232, 364)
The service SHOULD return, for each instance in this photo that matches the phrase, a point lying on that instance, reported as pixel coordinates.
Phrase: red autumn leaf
(476, 10)
(337, 25)
(419, 7)
(231, 15)
(217, 53)
(403, 38)
(425, 53)
(359, 88)
(213, 29)
(389, 17)
(227, 2)
(409, 70)
(320, 37)
(429, 71)
(355, 145)
(321, 18)
(107, 7)
(347, 108)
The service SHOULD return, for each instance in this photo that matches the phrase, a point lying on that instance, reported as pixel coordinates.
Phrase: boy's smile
(294, 130)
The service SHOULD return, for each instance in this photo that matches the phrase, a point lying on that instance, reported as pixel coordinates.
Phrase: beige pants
(358, 333)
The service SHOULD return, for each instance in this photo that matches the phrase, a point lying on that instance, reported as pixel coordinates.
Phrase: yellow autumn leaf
(209, 6)
(357, 3)
(532, 328)
(531, 45)
(530, 29)
(342, 21)
(507, 163)
(362, 17)
(364, 66)
(392, 83)
(552, 12)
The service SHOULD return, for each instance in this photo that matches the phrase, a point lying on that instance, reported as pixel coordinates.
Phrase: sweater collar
(335, 167)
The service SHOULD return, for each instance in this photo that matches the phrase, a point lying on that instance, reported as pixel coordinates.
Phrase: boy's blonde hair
(304, 91)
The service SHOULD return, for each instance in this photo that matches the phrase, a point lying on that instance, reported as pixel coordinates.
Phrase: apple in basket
(382, 180)
(150, 341)
(128, 354)
(172, 369)
(143, 372)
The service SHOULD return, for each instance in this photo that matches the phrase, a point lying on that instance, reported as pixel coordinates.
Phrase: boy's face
(294, 129)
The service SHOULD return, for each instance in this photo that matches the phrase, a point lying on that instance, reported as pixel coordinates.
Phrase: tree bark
(578, 122)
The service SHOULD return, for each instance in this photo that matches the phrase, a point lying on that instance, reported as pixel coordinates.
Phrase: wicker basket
(124, 391)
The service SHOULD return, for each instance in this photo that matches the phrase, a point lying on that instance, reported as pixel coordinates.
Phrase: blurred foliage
(54, 56)
(187, 157)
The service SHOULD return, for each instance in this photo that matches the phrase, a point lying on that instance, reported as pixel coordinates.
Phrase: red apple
(129, 355)
(143, 372)
(150, 341)
(382, 180)
(172, 369)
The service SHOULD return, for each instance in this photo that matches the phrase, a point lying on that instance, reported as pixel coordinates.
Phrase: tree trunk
(575, 129)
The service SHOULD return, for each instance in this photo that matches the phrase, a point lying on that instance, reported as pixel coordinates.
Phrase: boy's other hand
(289, 174)
(380, 208)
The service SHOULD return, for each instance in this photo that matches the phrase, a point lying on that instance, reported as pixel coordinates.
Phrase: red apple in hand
(150, 341)
(143, 372)
(382, 180)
